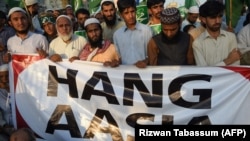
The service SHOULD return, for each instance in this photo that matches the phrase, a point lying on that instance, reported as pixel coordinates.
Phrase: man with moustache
(67, 45)
(97, 49)
(154, 8)
(24, 41)
(81, 15)
(111, 21)
(33, 11)
(171, 46)
(215, 46)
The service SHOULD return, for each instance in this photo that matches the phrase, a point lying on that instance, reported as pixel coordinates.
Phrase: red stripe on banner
(19, 63)
(244, 71)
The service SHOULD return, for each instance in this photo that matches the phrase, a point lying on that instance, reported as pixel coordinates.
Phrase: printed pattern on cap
(170, 15)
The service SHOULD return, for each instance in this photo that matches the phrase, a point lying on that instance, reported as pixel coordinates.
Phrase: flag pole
(230, 14)
(29, 16)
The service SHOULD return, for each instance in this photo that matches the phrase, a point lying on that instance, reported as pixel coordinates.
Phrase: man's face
(108, 11)
(94, 33)
(4, 80)
(213, 23)
(33, 9)
(49, 28)
(192, 18)
(69, 10)
(19, 21)
(129, 16)
(64, 28)
(2, 22)
(156, 9)
(56, 13)
(170, 30)
(81, 18)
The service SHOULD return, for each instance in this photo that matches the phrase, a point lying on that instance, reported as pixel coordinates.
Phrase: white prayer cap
(49, 10)
(68, 5)
(4, 67)
(16, 9)
(106, 1)
(30, 2)
(91, 21)
(63, 16)
(193, 9)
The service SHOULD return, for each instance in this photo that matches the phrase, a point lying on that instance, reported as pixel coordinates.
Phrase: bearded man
(111, 21)
(171, 46)
(67, 45)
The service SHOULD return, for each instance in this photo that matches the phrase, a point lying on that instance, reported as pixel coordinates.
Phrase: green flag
(142, 14)
(189, 3)
(233, 11)
(76, 4)
(183, 11)
(94, 6)
(143, 2)
(156, 28)
(14, 3)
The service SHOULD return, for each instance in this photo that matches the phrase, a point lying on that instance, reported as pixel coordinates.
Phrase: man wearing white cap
(111, 21)
(32, 8)
(69, 10)
(25, 41)
(192, 17)
(67, 45)
(6, 123)
(97, 49)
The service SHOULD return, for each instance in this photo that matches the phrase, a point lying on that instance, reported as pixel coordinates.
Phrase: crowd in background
(113, 36)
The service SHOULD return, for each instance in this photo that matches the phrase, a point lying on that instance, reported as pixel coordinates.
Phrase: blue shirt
(132, 44)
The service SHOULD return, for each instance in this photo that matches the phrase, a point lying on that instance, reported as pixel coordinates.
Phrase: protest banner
(85, 100)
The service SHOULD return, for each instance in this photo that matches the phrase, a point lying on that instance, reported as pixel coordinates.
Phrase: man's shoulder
(12, 38)
(244, 31)
(79, 38)
(227, 33)
(199, 39)
(37, 35)
(120, 30)
(55, 40)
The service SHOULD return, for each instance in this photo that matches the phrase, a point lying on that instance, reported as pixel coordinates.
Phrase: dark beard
(110, 23)
(97, 43)
(174, 39)
(23, 31)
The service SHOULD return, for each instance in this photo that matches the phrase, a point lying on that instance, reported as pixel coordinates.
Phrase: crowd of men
(201, 38)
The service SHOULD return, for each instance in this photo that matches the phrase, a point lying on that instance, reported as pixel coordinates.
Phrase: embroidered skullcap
(170, 15)
(30, 2)
(91, 21)
(46, 17)
(16, 9)
(193, 9)
(106, 1)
